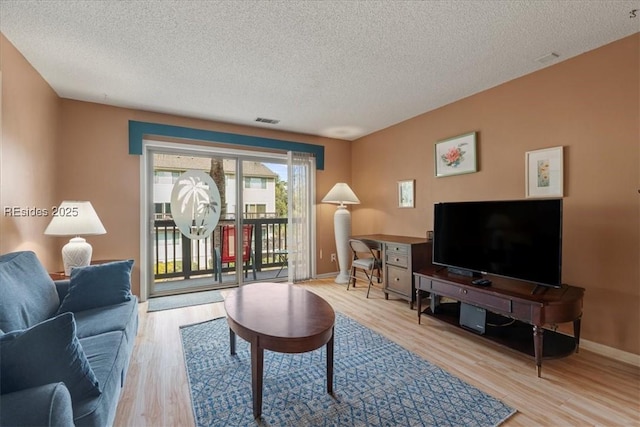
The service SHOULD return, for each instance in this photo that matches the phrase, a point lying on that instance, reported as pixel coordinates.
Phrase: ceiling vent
(268, 121)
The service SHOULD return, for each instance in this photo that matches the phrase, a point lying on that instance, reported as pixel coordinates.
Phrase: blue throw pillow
(98, 286)
(27, 293)
(48, 352)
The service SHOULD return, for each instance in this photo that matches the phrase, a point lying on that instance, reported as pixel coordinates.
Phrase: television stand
(512, 299)
(535, 290)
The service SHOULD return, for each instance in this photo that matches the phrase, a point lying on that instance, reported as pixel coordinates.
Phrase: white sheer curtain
(300, 239)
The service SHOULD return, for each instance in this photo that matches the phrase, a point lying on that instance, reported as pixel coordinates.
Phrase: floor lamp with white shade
(342, 195)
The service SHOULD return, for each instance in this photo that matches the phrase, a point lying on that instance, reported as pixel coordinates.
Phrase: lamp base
(342, 229)
(76, 253)
(342, 279)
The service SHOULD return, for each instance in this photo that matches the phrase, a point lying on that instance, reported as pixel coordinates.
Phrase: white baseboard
(613, 353)
(327, 275)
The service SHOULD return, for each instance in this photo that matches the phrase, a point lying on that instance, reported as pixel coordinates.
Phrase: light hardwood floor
(580, 390)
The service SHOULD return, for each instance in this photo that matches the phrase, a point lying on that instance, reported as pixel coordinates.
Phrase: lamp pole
(342, 230)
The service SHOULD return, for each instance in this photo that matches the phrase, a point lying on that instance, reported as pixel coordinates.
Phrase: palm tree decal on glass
(195, 204)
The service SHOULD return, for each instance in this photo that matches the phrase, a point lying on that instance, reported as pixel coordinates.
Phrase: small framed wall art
(544, 173)
(406, 193)
(457, 155)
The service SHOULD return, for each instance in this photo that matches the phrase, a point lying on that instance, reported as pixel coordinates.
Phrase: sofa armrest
(46, 405)
(62, 286)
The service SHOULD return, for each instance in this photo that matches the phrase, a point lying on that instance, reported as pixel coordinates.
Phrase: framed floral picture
(457, 155)
(406, 193)
(544, 173)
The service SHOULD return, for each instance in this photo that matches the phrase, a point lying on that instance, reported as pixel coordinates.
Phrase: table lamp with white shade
(75, 218)
(342, 195)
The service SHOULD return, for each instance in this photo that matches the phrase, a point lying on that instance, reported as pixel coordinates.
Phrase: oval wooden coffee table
(282, 318)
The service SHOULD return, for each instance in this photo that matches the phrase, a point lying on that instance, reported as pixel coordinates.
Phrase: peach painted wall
(94, 143)
(588, 104)
(61, 149)
(28, 167)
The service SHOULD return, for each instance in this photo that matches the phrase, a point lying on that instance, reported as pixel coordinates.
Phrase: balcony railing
(178, 257)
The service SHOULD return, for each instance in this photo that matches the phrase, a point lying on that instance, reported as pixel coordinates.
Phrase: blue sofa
(65, 346)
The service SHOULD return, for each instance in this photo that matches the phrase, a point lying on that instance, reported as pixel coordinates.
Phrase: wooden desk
(278, 317)
(513, 299)
(401, 257)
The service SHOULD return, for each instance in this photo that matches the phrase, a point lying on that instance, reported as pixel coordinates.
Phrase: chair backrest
(228, 243)
(361, 247)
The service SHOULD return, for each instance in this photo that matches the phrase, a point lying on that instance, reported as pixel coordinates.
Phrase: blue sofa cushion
(98, 286)
(46, 405)
(119, 317)
(46, 353)
(107, 353)
(27, 293)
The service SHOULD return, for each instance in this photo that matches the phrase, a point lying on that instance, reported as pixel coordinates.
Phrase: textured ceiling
(342, 69)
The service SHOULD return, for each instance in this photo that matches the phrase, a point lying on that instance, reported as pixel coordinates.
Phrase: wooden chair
(226, 253)
(366, 258)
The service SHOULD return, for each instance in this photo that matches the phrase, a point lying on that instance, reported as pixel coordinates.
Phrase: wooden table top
(284, 318)
(389, 238)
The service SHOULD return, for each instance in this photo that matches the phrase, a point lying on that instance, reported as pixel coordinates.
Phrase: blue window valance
(138, 130)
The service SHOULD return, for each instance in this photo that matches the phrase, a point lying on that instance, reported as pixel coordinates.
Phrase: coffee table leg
(232, 342)
(330, 365)
(257, 364)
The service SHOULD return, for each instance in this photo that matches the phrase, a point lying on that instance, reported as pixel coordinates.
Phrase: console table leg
(537, 347)
(435, 301)
(419, 303)
(576, 332)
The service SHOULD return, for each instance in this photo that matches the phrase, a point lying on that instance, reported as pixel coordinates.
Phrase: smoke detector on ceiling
(547, 58)
(268, 121)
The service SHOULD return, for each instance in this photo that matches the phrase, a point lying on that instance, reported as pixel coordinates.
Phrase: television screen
(519, 239)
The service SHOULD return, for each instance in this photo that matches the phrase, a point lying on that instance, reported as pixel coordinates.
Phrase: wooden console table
(401, 257)
(509, 299)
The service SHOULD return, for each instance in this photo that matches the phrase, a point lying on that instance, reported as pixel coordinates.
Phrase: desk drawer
(396, 255)
(463, 294)
(396, 248)
(398, 280)
(398, 260)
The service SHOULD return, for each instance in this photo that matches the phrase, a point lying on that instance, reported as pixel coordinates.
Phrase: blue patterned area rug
(376, 383)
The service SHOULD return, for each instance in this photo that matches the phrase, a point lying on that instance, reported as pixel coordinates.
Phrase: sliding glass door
(244, 192)
(184, 256)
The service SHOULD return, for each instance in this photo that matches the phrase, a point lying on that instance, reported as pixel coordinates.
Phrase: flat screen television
(518, 239)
